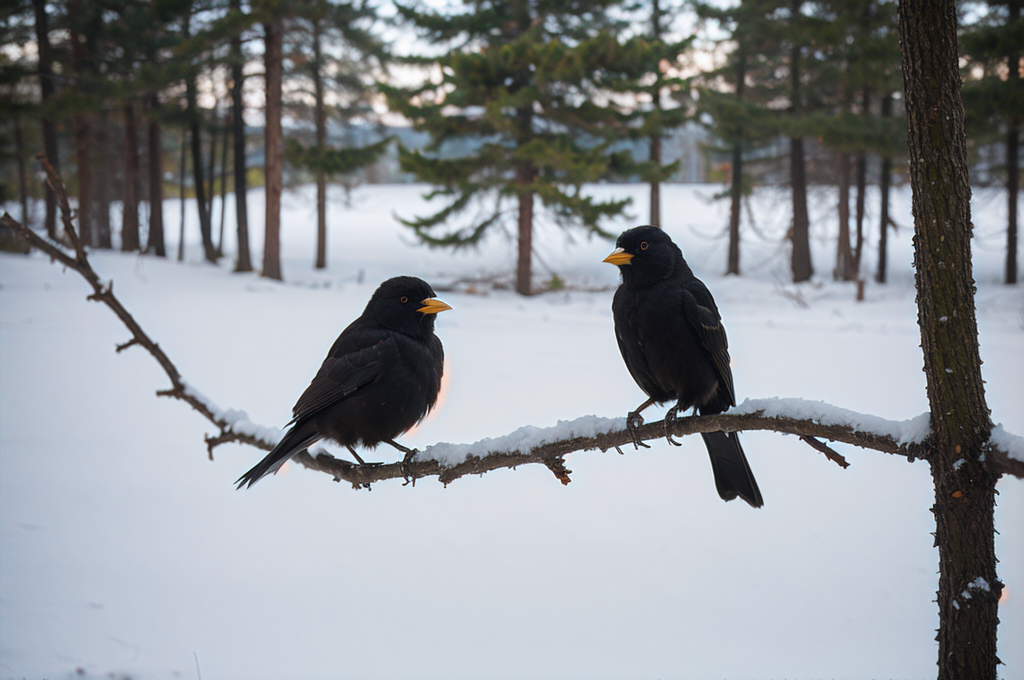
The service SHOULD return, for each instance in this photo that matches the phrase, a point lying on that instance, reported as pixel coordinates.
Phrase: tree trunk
(244, 262)
(211, 172)
(47, 89)
(736, 188)
(102, 186)
(844, 256)
(274, 151)
(129, 194)
(156, 183)
(656, 184)
(964, 491)
(525, 175)
(181, 195)
(321, 144)
(883, 228)
(1012, 189)
(223, 181)
(862, 188)
(800, 234)
(205, 228)
(1012, 160)
(19, 151)
(80, 125)
(801, 257)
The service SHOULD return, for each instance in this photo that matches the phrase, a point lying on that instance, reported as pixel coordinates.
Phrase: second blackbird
(380, 378)
(672, 340)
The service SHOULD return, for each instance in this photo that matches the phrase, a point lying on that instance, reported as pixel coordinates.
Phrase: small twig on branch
(829, 452)
(489, 454)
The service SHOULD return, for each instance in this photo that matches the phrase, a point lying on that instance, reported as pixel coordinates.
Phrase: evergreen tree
(336, 50)
(513, 117)
(994, 97)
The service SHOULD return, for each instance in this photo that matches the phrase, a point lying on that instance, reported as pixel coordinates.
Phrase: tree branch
(811, 421)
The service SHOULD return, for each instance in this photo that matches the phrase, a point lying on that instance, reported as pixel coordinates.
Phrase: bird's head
(645, 255)
(405, 304)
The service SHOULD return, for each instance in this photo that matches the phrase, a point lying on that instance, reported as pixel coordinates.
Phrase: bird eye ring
(404, 299)
(643, 246)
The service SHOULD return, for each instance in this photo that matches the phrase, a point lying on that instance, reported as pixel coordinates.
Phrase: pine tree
(511, 118)
(994, 98)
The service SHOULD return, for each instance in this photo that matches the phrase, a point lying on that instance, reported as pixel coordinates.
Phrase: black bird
(380, 378)
(672, 340)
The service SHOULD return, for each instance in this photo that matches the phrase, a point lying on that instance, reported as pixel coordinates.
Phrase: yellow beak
(618, 257)
(432, 306)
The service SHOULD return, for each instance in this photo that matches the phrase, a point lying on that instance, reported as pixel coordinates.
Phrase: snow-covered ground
(125, 552)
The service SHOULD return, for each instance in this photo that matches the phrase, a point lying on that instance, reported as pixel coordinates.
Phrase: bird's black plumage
(672, 340)
(381, 377)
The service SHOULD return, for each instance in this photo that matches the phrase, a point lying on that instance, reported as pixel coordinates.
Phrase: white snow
(125, 552)
(912, 431)
(1011, 443)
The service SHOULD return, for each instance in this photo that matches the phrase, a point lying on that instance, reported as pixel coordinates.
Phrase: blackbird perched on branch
(674, 345)
(380, 378)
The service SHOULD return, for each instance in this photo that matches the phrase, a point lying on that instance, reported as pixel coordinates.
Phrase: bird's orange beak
(618, 257)
(432, 306)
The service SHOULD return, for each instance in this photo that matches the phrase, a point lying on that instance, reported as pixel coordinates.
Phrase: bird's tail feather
(733, 476)
(297, 438)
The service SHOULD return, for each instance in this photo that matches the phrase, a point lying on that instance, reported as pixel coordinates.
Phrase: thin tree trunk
(205, 228)
(156, 183)
(656, 184)
(884, 182)
(211, 170)
(19, 151)
(736, 188)
(1012, 159)
(80, 125)
(525, 175)
(274, 151)
(964, 507)
(244, 262)
(223, 180)
(102, 185)
(181, 194)
(844, 256)
(47, 88)
(129, 194)
(862, 188)
(321, 145)
(800, 235)
(1012, 190)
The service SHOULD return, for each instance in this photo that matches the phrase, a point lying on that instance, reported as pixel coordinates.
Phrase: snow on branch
(812, 421)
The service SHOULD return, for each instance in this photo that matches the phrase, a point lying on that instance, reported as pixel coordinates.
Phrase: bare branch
(449, 462)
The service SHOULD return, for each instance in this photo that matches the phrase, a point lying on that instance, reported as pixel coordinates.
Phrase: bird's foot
(633, 422)
(670, 418)
(404, 466)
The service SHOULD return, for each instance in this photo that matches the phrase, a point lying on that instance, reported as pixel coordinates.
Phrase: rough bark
(274, 149)
(884, 182)
(103, 190)
(1012, 157)
(800, 234)
(321, 145)
(129, 193)
(244, 261)
(845, 270)
(47, 87)
(736, 188)
(964, 489)
(525, 174)
(19, 152)
(156, 243)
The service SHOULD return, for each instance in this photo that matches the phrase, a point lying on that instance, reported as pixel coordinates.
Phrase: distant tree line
(523, 101)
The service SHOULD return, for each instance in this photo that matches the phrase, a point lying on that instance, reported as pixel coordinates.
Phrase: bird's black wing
(702, 314)
(344, 372)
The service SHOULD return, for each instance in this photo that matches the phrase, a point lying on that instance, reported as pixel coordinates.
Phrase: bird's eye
(404, 299)
(644, 245)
